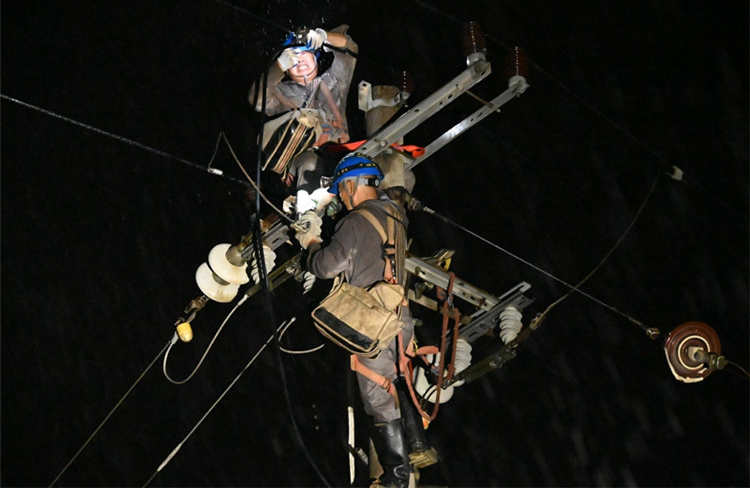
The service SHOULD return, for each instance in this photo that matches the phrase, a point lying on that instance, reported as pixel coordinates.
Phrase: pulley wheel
(680, 347)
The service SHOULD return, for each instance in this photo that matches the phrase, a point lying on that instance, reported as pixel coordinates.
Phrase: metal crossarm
(461, 289)
(393, 132)
(516, 86)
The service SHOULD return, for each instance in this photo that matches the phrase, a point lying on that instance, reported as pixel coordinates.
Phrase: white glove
(322, 197)
(288, 59)
(307, 228)
(317, 200)
(288, 205)
(510, 324)
(303, 202)
(308, 280)
(269, 257)
(316, 38)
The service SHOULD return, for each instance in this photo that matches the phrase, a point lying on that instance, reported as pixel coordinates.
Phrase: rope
(650, 331)
(292, 351)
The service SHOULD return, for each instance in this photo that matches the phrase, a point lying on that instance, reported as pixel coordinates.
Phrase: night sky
(111, 112)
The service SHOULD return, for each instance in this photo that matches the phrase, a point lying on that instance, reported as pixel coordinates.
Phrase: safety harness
(395, 272)
(394, 252)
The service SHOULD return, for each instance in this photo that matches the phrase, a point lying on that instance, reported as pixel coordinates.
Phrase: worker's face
(306, 68)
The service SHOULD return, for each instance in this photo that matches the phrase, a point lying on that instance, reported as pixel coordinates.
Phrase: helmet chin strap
(350, 196)
(359, 181)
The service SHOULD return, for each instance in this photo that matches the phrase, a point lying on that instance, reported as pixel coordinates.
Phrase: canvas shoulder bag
(291, 133)
(362, 320)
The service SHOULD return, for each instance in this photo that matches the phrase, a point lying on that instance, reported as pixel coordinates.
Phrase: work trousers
(378, 402)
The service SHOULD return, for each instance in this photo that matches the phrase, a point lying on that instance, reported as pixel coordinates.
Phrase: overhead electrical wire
(106, 418)
(216, 402)
(284, 326)
(573, 288)
(115, 136)
(208, 348)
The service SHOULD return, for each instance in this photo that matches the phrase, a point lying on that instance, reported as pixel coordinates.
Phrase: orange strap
(378, 379)
(407, 354)
(413, 150)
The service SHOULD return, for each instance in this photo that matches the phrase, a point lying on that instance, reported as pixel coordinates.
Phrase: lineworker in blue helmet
(356, 250)
(297, 87)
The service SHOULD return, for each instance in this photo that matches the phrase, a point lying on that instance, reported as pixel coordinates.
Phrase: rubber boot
(390, 445)
(421, 453)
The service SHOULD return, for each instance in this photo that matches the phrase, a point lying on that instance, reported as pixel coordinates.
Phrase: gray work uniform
(356, 250)
(285, 95)
(337, 78)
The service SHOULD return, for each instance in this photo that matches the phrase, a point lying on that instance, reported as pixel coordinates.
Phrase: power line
(119, 138)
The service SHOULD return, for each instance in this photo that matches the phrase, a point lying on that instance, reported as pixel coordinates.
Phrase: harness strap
(338, 122)
(407, 355)
(378, 379)
(375, 223)
(388, 239)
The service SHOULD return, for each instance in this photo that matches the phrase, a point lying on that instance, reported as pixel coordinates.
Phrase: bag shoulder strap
(375, 223)
(388, 241)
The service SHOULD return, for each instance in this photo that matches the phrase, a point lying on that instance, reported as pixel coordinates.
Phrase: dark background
(111, 112)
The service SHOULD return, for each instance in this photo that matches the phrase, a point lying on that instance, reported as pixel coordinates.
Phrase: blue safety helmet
(354, 165)
(296, 41)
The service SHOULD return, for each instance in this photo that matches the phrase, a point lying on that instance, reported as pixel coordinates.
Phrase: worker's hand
(317, 200)
(308, 228)
(316, 38)
(287, 59)
(289, 205)
(308, 280)
(269, 257)
(510, 324)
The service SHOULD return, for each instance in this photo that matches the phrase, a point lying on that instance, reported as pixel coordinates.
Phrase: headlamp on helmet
(297, 41)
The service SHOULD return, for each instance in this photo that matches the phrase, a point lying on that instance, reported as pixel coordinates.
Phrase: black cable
(106, 418)
(120, 138)
(650, 331)
(260, 262)
(738, 370)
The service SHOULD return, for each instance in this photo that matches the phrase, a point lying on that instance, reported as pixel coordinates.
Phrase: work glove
(288, 58)
(317, 200)
(308, 228)
(288, 205)
(303, 202)
(510, 324)
(269, 257)
(308, 280)
(316, 38)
